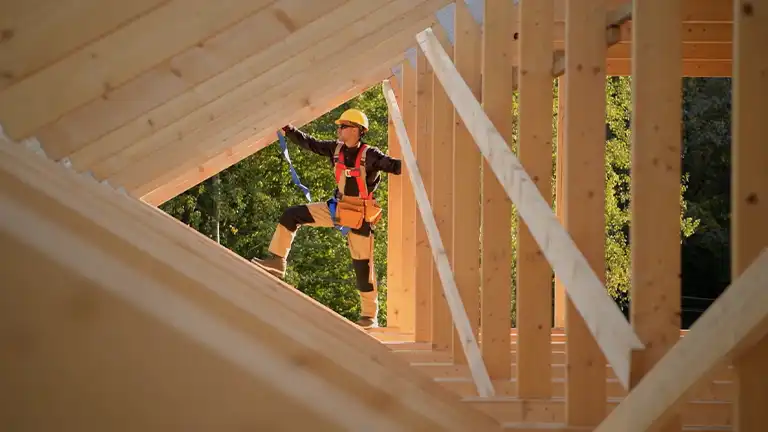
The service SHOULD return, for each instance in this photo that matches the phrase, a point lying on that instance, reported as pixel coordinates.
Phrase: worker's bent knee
(362, 273)
(294, 216)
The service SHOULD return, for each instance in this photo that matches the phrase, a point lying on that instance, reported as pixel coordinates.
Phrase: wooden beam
(441, 198)
(534, 274)
(466, 180)
(712, 68)
(606, 322)
(275, 50)
(246, 299)
(749, 194)
(37, 33)
(732, 325)
(97, 68)
(173, 88)
(172, 158)
(409, 202)
(422, 149)
(258, 141)
(395, 256)
(497, 89)
(559, 301)
(655, 186)
(458, 313)
(584, 215)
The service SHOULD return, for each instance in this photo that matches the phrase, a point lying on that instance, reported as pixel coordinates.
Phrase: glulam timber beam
(123, 267)
(458, 313)
(395, 257)
(533, 298)
(189, 79)
(655, 187)
(166, 159)
(109, 62)
(264, 138)
(584, 214)
(422, 152)
(270, 62)
(749, 194)
(467, 162)
(440, 196)
(604, 320)
(498, 84)
(730, 327)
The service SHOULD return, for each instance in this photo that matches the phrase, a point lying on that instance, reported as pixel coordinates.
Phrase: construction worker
(357, 168)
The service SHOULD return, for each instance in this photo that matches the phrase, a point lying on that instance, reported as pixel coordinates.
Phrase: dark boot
(367, 322)
(274, 265)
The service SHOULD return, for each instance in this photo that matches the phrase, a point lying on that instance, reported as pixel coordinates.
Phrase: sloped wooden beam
(258, 141)
(94, 70)
(282, 36)
(732, 325)
(160, 164)
(104, 242)
(605, 321)
(458, 313)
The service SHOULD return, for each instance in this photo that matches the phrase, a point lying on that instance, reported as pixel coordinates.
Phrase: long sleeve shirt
(375, 160)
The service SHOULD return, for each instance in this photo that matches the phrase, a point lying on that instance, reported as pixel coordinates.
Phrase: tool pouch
(350, 215)
(373, 212)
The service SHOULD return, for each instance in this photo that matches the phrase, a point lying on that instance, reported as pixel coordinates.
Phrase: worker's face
(348, 133)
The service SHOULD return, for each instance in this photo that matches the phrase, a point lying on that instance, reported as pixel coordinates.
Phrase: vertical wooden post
(394, 225)
(655, 186)
(585, 197)
(534, 274)
(442, 181)
(423, 151)
(466, 180)
(559, 321)
(749, 195)
(408, 315)
(497, 88)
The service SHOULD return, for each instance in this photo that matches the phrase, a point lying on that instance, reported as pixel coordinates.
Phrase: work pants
(360, 243)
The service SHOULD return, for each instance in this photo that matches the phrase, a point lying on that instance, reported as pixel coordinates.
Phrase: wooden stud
(458, 313)
(409, 205)
(395, 256)
(466, 179)
(534, 274)
(422, 148)
(584, 207)
(559, 321)
(655, 186)
(497, 89)
(441, 198)
(749, 193)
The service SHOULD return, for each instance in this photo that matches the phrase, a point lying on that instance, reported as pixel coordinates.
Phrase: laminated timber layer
(155, 96)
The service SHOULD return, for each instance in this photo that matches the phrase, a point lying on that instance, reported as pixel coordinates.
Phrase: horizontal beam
(442, 263)
(607, 324)
(730, 326)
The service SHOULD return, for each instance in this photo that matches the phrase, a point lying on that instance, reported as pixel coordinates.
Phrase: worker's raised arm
(376, 160)
(306, 141)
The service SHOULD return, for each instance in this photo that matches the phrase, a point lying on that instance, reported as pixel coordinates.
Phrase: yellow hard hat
(354, 116)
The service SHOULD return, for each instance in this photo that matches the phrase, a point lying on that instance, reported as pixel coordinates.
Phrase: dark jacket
(375, 160)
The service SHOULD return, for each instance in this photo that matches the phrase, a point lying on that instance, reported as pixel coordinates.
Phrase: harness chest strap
(342, 171)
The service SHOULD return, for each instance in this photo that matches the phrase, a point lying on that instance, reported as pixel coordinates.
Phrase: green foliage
(254, 193)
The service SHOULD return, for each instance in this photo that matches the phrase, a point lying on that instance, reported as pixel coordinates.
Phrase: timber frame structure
(115, 315)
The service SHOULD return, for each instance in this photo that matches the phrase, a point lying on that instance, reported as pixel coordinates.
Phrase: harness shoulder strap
(362, 187)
